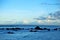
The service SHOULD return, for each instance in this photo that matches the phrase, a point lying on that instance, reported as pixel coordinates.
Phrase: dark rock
(55, 29)
(33, 30)
(10, 32)
(48, 29)
(38, 28)
(44, 28)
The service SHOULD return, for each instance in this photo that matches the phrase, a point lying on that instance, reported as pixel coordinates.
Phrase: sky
(18, 11)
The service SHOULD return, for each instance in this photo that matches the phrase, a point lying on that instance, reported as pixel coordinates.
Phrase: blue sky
(18, 10)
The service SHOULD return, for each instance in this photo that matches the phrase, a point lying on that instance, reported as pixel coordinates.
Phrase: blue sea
(30, 26)
(26, 35)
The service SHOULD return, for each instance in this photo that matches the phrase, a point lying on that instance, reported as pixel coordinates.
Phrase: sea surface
(30, 26)
(27, 35)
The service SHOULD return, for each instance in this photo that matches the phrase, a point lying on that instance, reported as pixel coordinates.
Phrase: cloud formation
(51, 16)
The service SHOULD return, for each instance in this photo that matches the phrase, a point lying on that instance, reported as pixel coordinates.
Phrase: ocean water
(30, 26)
(27, 35)
(26, 28)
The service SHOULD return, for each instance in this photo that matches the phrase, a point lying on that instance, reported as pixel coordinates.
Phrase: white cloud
(50, 19)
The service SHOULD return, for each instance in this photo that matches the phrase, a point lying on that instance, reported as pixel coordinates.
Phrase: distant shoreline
(28, 25)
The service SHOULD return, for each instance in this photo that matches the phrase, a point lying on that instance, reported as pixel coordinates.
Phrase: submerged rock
(55, 29)
(10, 32)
